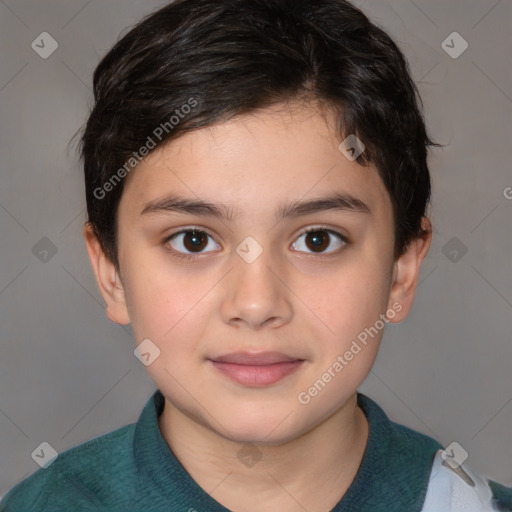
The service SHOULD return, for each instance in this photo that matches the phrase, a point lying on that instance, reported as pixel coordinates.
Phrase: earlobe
(406, 271)
(107, 278)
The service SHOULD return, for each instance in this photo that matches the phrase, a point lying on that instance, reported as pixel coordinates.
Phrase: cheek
(350, 299)
(165, 307)
(350, 306)
(169, 314)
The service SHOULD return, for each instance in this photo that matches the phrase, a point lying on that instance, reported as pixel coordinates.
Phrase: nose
(256, 294)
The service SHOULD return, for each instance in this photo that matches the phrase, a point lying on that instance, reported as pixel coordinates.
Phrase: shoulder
(454, 487)
(403, 444)
(397, 463)
(429, 476)
(79, 476)
(408, 439)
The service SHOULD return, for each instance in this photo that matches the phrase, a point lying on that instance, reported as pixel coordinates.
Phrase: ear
(406, 271)
(107, 278)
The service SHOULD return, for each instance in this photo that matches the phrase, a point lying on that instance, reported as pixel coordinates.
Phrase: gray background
(68, 374)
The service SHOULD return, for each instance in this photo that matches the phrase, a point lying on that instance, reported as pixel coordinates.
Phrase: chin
(271, 429)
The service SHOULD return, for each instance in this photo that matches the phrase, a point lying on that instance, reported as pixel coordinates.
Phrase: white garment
(449, 491)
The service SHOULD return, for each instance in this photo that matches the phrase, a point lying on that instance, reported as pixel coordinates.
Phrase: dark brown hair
(193, 63)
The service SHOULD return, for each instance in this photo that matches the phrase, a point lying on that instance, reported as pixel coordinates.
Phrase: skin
(291, 299)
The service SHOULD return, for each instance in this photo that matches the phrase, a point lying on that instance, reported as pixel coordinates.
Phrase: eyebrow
(338, 202)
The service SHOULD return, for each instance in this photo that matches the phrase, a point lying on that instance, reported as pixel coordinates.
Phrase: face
(289, 266)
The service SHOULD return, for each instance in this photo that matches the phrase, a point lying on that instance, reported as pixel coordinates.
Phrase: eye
(188, 242)
(319, 239)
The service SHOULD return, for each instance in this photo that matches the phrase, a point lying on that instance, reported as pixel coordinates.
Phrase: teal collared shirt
(132, 469)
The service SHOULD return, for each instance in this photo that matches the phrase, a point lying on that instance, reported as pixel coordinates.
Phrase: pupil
(318, 239)
(196, 239)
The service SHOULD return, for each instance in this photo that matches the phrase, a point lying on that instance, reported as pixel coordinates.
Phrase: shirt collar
(395, 469)
(159, 467)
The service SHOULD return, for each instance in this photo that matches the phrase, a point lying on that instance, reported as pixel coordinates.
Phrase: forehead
(253, 160)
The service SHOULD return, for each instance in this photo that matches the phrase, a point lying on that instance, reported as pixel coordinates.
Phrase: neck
(313, 469)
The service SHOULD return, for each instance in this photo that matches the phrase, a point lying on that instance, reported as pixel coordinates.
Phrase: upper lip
(255, 359)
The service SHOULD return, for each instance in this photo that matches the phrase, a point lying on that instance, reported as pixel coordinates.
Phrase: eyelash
(190, 256)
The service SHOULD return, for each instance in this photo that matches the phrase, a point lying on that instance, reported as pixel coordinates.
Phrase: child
(257, 187)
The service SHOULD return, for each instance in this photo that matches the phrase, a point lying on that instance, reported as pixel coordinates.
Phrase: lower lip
(256, 376)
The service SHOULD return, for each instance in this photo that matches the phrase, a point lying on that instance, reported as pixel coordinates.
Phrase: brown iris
(193, 240)
(319, 240)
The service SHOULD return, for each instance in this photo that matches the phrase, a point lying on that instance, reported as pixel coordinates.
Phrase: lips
(259, 359)
(256, 370)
